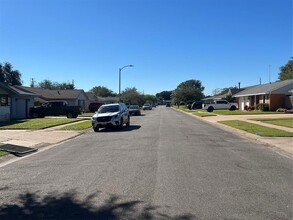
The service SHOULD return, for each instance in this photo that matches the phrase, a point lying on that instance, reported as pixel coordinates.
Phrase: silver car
(111, 115)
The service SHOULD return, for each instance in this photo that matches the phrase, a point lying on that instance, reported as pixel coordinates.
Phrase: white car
(147, 107)
(111, 115)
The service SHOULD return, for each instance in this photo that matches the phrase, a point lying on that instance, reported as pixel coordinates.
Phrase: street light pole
(120, 69)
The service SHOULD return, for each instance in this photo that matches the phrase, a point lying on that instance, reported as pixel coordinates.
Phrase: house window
(3, 100)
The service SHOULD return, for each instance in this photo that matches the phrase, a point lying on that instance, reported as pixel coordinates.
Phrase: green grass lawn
(78, 126)
(239, 112)
(286, 122)
(37, 123)
(87, 114)
(3, 153)
(257, 129)
(203, 113)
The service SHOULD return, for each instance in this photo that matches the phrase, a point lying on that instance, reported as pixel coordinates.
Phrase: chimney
(239, 85)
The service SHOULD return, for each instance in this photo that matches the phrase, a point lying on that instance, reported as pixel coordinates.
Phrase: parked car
(111, 115)
(94, 106)
(168, 104)
(196, 105)
(134, 110)
(55, 108)
(147, 107)
(220, 104)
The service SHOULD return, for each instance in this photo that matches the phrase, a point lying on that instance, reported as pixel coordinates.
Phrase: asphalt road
(166, 165)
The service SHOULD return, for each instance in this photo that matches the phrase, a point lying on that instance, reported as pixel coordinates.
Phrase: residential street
(166, 165)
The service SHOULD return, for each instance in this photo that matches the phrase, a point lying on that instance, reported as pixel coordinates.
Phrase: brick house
(276, 94)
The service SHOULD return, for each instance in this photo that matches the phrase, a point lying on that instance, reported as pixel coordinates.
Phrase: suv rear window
(109, 108)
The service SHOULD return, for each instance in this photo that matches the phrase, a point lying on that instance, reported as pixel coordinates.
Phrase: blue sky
(219, 42)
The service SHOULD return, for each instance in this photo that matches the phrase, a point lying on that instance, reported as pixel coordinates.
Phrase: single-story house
(276, 94)
(74, 97)
(15, 103)
(96, 101)
(231, 93)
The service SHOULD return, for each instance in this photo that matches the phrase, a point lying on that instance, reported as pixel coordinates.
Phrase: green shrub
(263, 107)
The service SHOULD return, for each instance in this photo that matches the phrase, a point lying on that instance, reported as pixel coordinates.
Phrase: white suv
(110, 115)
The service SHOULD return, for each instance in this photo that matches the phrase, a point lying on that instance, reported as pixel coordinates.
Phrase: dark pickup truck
(55, 108)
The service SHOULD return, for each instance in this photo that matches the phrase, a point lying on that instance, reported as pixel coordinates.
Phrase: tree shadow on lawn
(67, 206)
(12, 122)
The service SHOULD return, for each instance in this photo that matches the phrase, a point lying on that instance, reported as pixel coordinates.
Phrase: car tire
(210, 109)
(121, 123)
(233, 108)
(35, 115)
(70, 115)
(96, 129)
(128, 123)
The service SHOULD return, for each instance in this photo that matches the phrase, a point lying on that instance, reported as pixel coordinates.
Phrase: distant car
(147, 107)
(93, 107)
(111, 115)
(168, 105)
(134, 110)
(196, 105)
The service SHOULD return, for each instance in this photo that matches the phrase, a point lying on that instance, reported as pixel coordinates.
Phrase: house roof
(47, 94)
(266, 88)
(15, 91)
(231, 92)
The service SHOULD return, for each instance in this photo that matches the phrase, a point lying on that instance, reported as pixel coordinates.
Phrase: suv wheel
(121, 123)
(96, 129)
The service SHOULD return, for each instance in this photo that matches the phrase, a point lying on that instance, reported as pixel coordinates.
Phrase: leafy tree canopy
(48, 84)
(132, 96)
(286, 71)
(222, 91)
(8, 75)
(164, 95)
(188, 92)
(102, 91)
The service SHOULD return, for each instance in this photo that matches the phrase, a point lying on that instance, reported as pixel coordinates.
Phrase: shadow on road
(124, 129)
(67, 206)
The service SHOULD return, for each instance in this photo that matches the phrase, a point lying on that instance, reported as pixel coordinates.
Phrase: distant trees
(188, 92)
(286, 71)
(132, 96)
(164, 95)
(8, 75)
(102, 91)
(48, 84)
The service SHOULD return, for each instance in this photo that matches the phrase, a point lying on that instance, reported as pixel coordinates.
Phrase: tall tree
(286, 71)
(188, 92)
(8, 75)
(102, 91)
